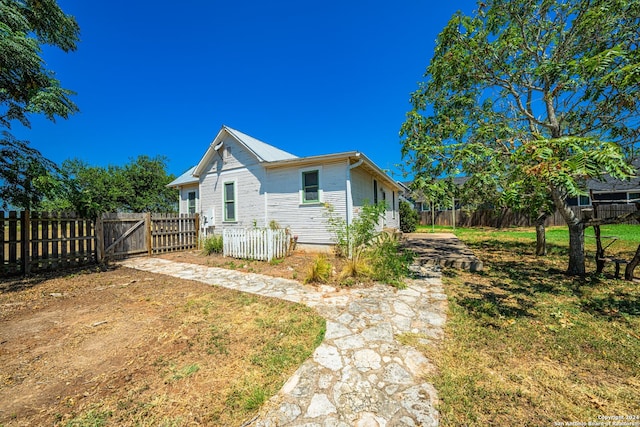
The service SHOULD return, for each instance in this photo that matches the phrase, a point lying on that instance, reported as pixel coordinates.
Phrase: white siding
(183, 203)
(240, 166)
(275, 194)
(307, 221)
(362, 190)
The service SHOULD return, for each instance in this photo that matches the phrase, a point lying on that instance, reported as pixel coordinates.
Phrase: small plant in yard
(408, 217)
(369, 253)
(389, 262)
(319, 271)
(212, 244)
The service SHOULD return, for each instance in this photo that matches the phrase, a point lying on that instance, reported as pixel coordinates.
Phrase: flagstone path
(360, 375)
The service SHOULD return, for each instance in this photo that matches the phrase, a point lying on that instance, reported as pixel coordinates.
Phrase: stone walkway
(442, 249)
(360, 375)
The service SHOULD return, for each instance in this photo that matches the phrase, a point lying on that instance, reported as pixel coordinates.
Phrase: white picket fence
(260, 243)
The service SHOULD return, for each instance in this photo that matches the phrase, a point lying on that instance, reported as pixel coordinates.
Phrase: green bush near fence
(212, 244)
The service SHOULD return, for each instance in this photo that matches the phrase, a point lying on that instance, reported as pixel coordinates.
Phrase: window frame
(195, 202)
(301, 174)
(225, 202)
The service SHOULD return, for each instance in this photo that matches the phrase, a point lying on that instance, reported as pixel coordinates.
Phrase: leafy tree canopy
(27, 87)
(138, 186)
(531, 92)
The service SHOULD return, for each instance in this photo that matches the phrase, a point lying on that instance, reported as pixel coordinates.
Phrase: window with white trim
(230, 201)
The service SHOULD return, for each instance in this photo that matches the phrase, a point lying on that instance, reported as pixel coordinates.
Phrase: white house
(243, 182)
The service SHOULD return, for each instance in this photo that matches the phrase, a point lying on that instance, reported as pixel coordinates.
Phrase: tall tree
(27, 87)
(25, 176)
(547, 88)
(147, 181)
(138, 186)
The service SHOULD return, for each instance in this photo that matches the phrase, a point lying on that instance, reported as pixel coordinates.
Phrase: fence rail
(259, 244)
(171, 233)
(32, 241)
(500, 218)
(42, 241)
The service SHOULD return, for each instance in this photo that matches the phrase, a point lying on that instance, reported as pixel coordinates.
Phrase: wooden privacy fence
(32, 241)
(500, 218)
(260, 244)
(124, 234)
(39, 241)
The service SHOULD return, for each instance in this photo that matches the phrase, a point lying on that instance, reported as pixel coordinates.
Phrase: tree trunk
(628, 272)
(576, 235)
(541, 236)
(576, 250)
(599, 250)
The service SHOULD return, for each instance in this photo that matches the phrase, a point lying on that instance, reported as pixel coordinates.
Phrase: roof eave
(300, 161)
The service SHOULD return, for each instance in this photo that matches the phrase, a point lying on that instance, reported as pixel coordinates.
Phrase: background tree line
(137, 186)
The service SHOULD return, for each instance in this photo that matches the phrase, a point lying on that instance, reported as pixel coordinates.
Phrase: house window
(634, 197)
(311, 186)
(229, 201)
(375, 192)
(584, 201)
(191, 202)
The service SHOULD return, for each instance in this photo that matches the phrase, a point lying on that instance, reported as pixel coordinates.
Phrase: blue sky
(161, 78)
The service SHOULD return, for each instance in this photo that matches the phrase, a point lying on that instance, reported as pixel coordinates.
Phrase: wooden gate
(122, 234)
(125, 234)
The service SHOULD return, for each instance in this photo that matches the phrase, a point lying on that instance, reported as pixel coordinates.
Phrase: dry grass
(165, 352)
(526, 345)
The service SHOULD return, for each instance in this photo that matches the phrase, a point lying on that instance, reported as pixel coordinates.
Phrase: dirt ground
(133, 348)
(295, 266)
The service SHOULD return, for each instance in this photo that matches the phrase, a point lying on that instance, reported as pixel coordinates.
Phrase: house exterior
(242, 182)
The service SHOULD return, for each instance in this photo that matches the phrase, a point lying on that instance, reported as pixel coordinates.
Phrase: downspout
(349, 208)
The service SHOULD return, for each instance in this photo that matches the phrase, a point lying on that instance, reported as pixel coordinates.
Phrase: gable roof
(261, 150)
(273, 157)
(184, 179)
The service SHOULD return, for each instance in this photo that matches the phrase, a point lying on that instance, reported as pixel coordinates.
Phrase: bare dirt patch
(124, 347)
(294, 267)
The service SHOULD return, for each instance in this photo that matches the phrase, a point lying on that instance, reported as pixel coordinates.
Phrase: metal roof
(184, 179)
(263, 151)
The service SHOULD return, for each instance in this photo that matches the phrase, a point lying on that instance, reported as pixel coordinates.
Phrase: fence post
(99, 235)
(25, 241)
(147, 232)
(197, 225)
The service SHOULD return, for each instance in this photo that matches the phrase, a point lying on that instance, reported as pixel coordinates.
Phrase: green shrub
(320, 270)
(353, 239)
(390, 263)
(212, 244)
(408, 217)
(369, 253)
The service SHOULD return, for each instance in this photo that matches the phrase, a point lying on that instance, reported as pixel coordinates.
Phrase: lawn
(527, 345)
(128, 348)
